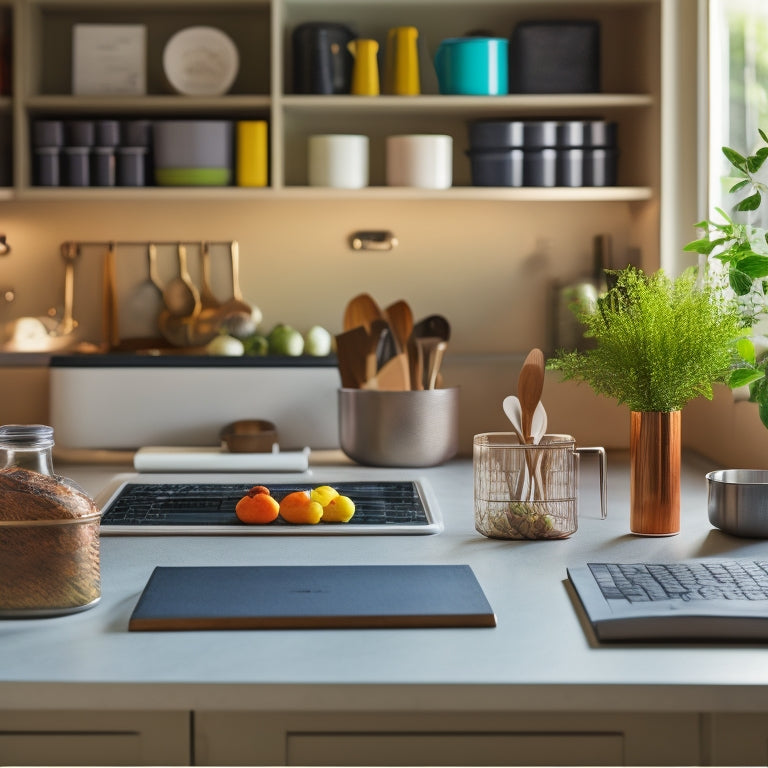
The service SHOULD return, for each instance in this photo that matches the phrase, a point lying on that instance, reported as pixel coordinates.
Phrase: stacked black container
(90, 153)
(543, 153)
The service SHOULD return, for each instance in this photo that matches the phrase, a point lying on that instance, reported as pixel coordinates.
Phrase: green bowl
(193, 177)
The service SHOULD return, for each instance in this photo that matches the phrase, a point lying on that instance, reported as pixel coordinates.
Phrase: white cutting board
(210, 459)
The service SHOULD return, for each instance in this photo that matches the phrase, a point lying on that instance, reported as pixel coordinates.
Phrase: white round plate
(201, 61)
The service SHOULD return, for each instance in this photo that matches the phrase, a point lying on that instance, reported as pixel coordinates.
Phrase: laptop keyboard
(705, 580)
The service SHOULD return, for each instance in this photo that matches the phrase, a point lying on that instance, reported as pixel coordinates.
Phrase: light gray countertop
(541, 656)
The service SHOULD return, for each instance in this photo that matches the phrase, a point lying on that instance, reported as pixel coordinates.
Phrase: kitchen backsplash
(487, 266)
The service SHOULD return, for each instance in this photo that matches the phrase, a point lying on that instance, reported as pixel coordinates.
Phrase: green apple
(318, 342)
(256, 345)
(285, 340)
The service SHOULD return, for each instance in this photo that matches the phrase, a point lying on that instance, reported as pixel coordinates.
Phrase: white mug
(338, 160)
(420, 160)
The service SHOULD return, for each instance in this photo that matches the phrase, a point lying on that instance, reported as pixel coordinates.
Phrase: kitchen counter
(542, 657)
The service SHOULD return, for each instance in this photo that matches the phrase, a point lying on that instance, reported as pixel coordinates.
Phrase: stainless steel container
(399, 428)
(737, 501)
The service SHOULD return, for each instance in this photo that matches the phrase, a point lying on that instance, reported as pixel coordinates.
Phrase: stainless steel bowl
(737, 501)
(399, 428)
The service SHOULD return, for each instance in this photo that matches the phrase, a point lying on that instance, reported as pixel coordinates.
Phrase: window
(738, 89)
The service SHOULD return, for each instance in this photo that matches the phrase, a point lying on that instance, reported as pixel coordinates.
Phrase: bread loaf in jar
(49, 545)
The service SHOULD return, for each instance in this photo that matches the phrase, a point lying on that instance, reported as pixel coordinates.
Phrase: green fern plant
(659, 342)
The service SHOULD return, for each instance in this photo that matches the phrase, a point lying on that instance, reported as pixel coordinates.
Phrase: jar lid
(30, 435)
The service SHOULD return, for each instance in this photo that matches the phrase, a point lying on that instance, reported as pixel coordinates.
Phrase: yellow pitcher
(365, 73)
(401, 71)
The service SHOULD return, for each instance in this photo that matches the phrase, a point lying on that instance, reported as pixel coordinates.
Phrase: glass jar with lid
(49, 530)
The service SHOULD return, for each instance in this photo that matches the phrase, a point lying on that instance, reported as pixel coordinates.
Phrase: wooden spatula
(392, 376)
(529, 386)
(352, 348)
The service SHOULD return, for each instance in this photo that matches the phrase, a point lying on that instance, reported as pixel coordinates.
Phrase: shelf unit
(261, 29)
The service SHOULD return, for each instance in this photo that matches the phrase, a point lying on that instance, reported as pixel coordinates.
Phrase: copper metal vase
(654, 444)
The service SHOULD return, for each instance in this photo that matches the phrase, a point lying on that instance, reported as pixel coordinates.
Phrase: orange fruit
(298, 508)
(257, 506)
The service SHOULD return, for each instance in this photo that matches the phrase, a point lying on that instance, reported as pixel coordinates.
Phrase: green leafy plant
(659, 342)
(737, 258)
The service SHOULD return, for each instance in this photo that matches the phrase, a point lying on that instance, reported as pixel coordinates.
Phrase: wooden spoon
(210, 316)
(400, 319)
(529, 387)
(179, 329)
(361, 310)
(180, 294)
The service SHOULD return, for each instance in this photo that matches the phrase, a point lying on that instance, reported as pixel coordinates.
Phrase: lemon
(323, 494)
(339, 510)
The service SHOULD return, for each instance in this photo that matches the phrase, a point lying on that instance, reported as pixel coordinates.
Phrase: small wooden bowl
(249, 436)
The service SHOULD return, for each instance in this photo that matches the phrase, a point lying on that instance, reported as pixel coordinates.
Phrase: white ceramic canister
(420, 160)
(338, 160)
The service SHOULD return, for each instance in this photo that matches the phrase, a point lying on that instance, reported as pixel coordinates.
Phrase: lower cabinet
(735, 738)
(235, 738)
(136, 738)
(95, 738)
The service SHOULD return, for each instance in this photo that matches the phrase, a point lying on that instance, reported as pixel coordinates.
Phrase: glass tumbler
(526, 491)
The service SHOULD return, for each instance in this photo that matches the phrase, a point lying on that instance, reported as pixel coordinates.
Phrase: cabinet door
(735, 739)
(455, 749)
(95, 738)
(427, 738)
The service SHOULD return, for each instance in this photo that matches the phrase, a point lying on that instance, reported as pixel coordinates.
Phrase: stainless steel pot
(737, 501)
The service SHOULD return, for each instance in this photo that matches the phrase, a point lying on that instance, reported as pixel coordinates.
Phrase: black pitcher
(321, 61)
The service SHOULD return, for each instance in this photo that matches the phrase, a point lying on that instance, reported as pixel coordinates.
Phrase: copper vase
(654, 444)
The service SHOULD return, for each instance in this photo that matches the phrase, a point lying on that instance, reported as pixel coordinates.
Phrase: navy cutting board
(311, 597)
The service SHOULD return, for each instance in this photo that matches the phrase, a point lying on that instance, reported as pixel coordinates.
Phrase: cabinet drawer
(95, 738)
(455, 749)
(87, 748)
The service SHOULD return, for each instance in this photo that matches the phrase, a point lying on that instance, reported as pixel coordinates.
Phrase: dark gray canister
(77, 166)
(600, 167)
(540, 154)
(103, 171)
(496, 167)
(47, 166)
(496, 153)
(131, 166)
(47, 133)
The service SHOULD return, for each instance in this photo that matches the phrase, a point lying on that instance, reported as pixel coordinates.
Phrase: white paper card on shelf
(211, 459)
(109, 59)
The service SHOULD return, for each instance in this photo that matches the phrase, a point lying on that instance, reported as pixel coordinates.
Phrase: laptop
(311, 597)
(691, 600)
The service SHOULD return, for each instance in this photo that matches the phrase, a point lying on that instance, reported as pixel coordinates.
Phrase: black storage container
(586, 153)
(555, 57)
(496, 167)
(496, 153)
(543, 153)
